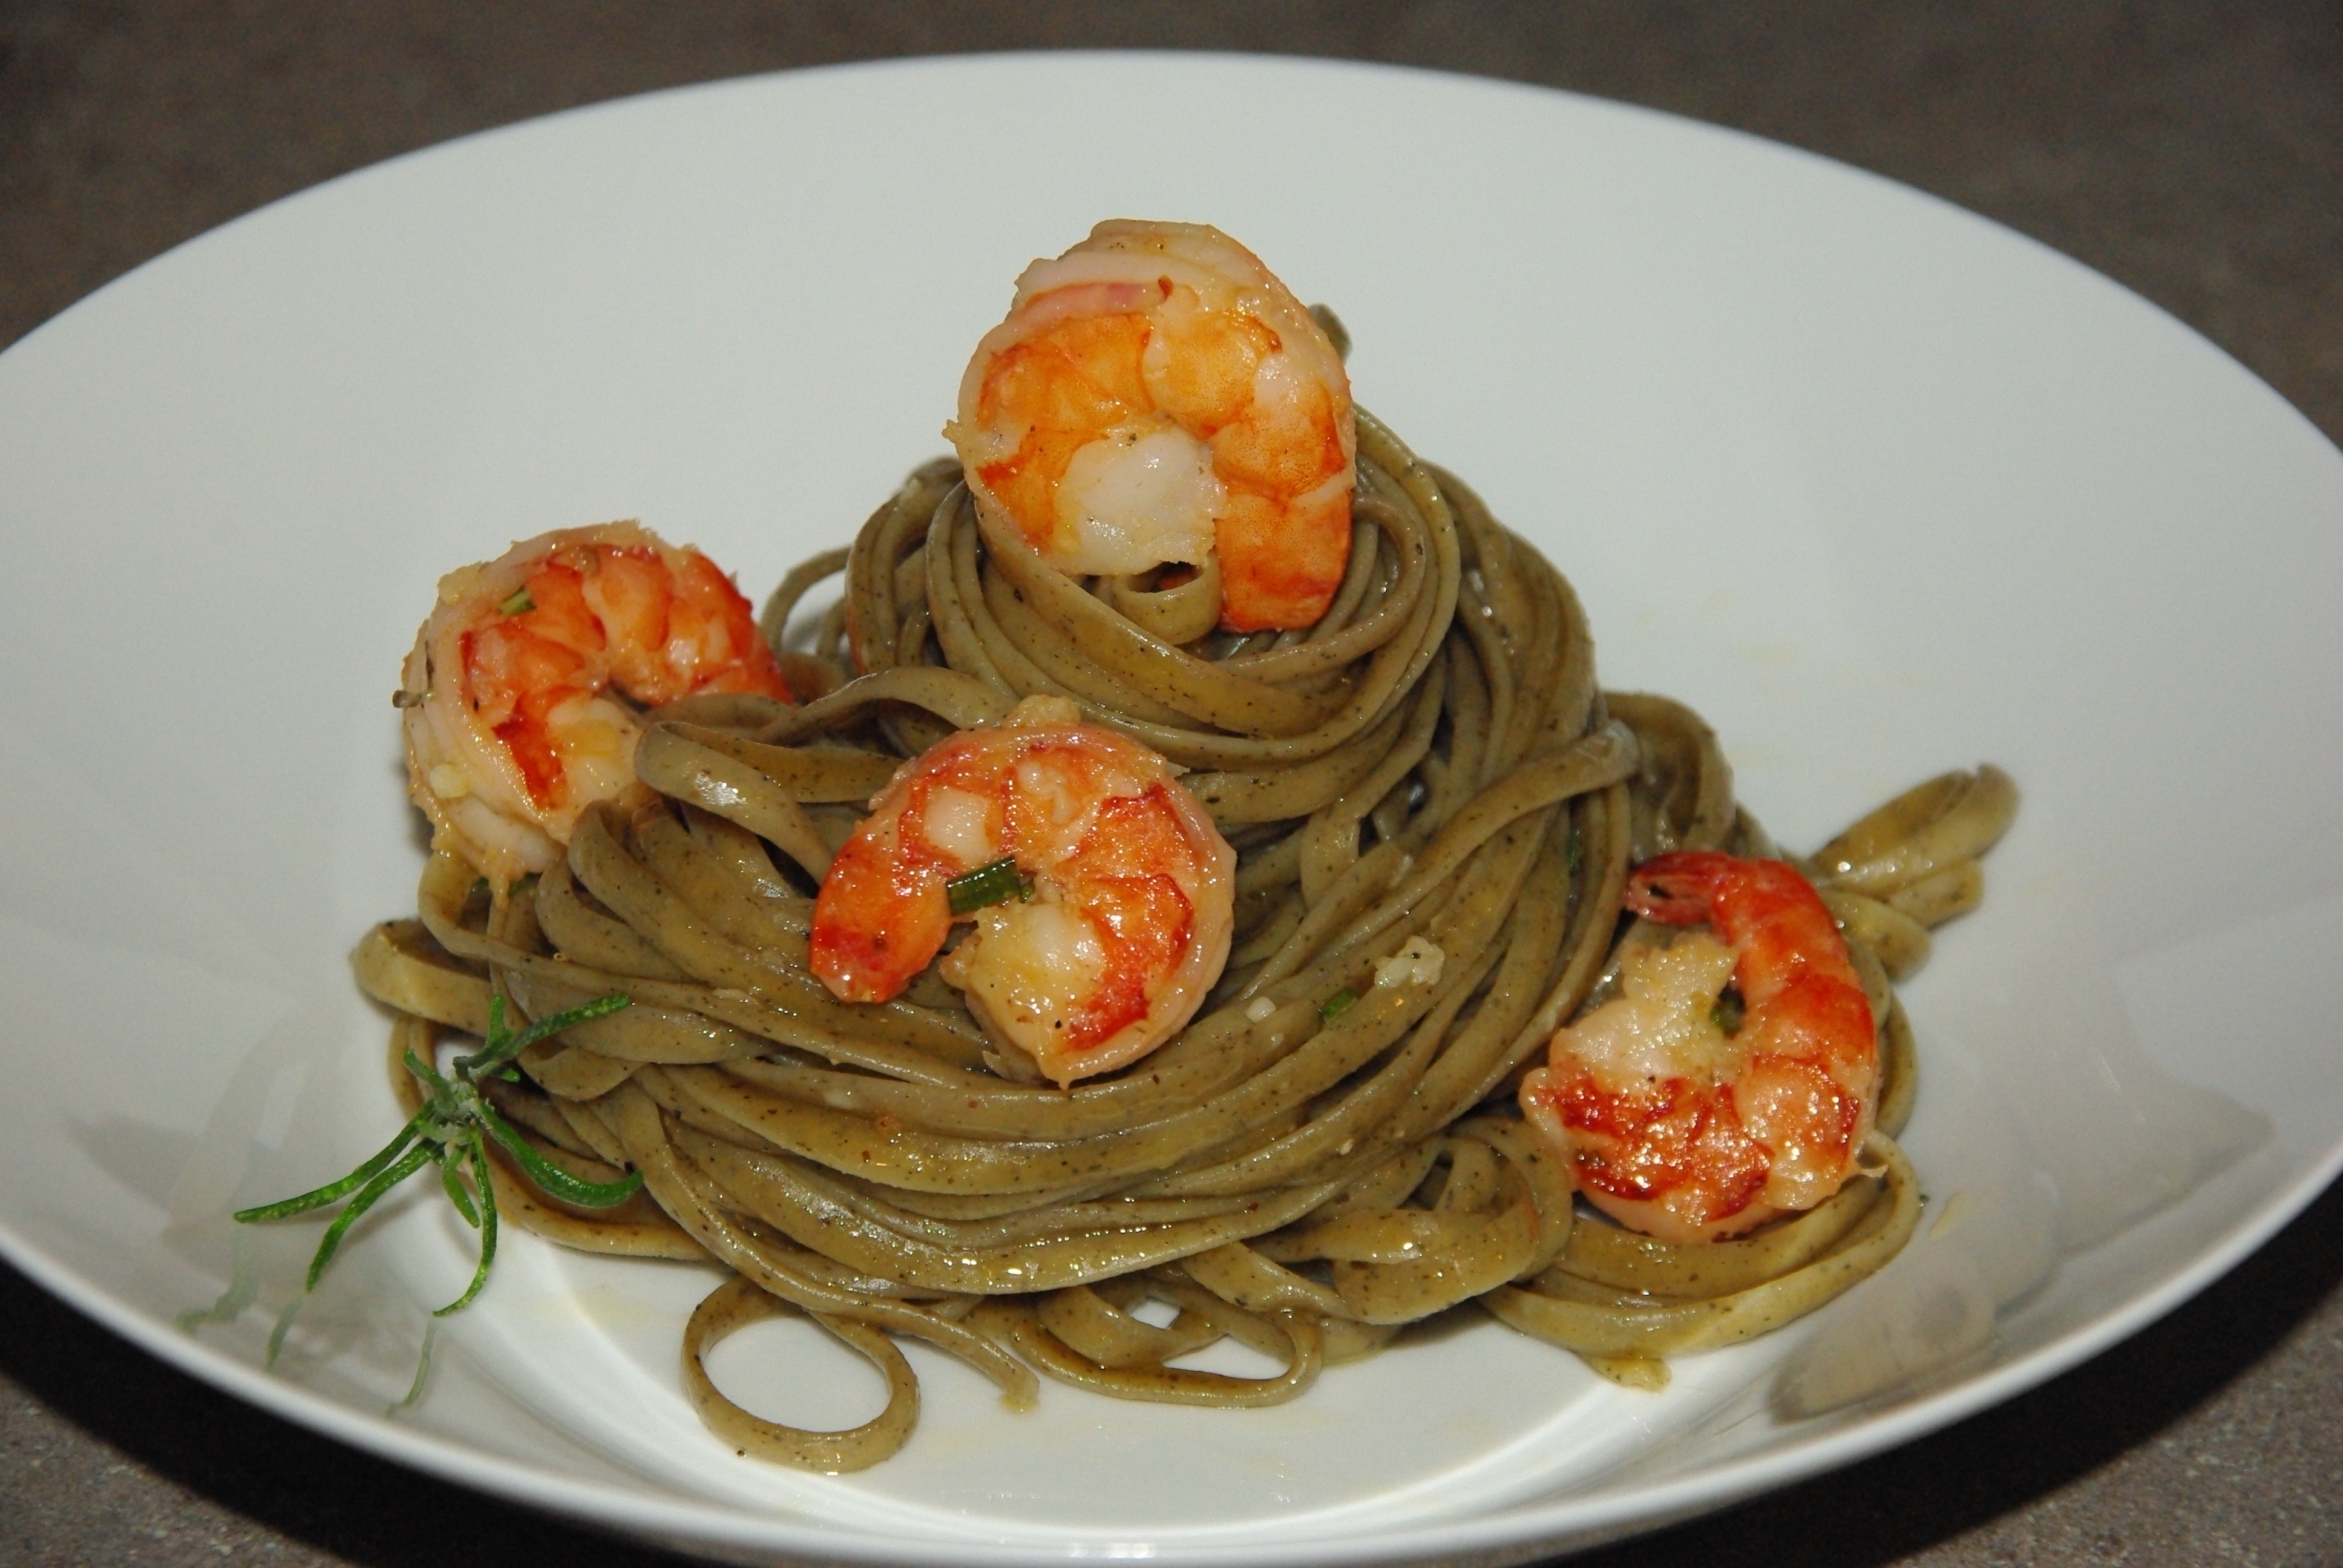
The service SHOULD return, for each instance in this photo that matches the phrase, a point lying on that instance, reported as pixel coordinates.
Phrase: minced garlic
(1418, 963)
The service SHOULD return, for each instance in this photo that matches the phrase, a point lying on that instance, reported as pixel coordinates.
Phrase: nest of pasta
(1435, 808)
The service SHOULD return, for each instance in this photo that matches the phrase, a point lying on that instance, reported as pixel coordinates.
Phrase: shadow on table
(377, 1514)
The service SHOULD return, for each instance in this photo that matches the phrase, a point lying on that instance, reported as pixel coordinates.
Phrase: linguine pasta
(1435, 808)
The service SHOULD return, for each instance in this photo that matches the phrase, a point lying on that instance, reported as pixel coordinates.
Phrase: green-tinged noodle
(1432, 767)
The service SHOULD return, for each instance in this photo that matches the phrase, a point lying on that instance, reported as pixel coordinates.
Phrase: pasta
(1435, 808)
(1434, 760)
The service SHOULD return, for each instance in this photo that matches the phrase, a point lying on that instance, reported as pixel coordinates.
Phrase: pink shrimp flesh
(512, 726)
(1156, 395)
(1675, 1127)
(1132, 898)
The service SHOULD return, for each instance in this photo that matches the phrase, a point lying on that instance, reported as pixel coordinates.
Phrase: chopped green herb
(519, 604)
(1336, 1006)
(994, 884)
(1577, 853)
(452, 1132)
(1727, 1012)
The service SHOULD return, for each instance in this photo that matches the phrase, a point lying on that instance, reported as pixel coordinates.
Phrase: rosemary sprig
(452, 1130)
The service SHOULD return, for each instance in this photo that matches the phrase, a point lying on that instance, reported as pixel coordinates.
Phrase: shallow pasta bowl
(1880, 488)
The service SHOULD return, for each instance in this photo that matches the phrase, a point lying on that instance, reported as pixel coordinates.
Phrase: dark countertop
(2194, 153)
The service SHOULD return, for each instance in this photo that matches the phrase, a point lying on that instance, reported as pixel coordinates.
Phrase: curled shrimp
(1111, 927)
(1682, 1130)
(1156, 395)
(512, 724)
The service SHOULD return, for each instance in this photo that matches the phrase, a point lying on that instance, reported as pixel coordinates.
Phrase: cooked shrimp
(512, 728)
(1127, 900)
(1156, 395)
(1679, 1130)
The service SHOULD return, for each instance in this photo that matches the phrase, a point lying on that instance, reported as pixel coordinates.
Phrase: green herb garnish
(994, 884)
(1727, 1012)
(519, 604)
(1336, 1006)
(452, 1130)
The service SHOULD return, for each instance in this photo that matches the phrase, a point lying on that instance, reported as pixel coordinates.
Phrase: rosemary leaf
(502, 1046)
(318, 1198)
(479, 1161)
(414, 1159)
(551, 1178)
(451, 1162)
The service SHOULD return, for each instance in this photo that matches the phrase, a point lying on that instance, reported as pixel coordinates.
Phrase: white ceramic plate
(1880, 488)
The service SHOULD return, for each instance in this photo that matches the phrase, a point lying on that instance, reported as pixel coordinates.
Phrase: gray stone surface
(2193, 152)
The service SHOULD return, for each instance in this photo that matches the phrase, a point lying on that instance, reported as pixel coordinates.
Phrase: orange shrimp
(512, 730)
(1156, 395)
(1675, 1127)
(1131, 900)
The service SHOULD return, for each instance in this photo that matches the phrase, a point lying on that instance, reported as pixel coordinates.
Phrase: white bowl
(1878, 486)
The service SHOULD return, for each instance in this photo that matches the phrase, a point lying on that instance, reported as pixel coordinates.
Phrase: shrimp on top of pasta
(1156, 395)
(1057, 956)
(513, 725)
(1108, 910)
(1682, 1130)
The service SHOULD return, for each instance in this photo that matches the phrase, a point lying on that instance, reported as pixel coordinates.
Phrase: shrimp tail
(1680, 888)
